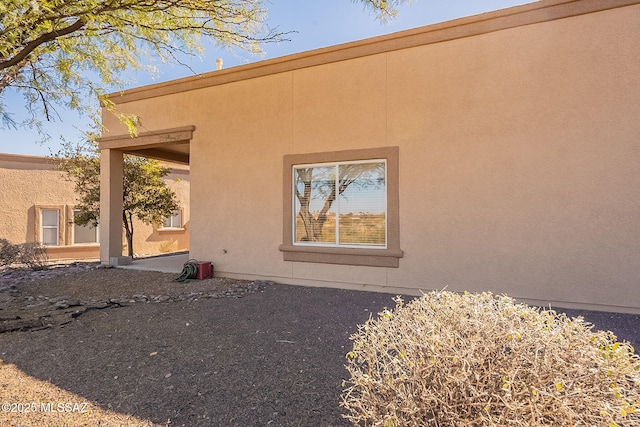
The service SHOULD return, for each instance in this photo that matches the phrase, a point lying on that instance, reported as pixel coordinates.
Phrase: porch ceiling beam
(158, 154)
(145, 140)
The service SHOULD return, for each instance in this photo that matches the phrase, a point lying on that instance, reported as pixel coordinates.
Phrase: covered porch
(170, 145)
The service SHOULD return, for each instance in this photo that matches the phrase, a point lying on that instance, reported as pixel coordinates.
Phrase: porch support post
(111, 186)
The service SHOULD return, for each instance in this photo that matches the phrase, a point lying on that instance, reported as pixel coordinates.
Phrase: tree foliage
(146, 195)
(61, 52)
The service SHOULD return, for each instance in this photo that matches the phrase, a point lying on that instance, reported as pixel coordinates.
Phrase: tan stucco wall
(149, 240)
(29, 182)
(518, 158)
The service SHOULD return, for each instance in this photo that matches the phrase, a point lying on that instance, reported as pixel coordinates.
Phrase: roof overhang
(171, 145)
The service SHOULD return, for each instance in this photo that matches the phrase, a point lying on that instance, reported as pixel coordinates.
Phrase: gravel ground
(255, 354)
(210, 352)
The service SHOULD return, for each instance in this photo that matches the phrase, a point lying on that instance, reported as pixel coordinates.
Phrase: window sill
(345, 256)
(62, 248)
(171, 229)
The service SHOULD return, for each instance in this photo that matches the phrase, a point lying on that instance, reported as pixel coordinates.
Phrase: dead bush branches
(447, 359)
(30, 254)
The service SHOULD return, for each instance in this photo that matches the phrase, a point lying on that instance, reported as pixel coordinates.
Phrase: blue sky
(318, 24)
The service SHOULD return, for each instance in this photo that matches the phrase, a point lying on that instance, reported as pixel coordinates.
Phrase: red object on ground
(204, 270)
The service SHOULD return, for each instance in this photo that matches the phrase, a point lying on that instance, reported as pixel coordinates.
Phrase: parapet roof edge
(502, 19)
(50, 161)
(24, 158)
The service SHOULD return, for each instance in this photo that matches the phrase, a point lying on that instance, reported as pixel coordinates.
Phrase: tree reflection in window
(341, 204)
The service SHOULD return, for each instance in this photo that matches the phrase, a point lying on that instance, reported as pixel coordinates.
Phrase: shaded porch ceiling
(171, 145)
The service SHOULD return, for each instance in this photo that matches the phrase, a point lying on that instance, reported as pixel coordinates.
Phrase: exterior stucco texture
(518, 156)
(31, 183)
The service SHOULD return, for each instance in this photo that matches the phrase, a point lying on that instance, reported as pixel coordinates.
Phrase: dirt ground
(139, 346)
(210, 352)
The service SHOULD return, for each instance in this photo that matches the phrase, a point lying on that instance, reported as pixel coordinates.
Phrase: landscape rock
(30, 302)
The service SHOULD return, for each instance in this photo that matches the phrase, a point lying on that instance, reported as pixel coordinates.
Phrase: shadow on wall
(30, 235)
(170, 239)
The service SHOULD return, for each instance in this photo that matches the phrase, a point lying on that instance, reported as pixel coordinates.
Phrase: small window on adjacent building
(173, 221)
(49, 227)
(84, 234)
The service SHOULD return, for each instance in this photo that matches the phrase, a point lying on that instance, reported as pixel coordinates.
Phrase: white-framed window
(50, 227)
(173, 221)
(340, 204)
(84, 234)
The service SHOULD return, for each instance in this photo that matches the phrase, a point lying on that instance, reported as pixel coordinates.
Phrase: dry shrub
(8, 252)
(30, 254)
(33, 255)
(447, 359)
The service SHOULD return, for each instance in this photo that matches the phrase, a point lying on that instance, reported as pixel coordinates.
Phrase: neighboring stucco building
(37, 205)
(497, 152)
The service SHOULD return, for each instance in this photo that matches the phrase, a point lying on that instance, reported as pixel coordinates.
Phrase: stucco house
(38, 204)
(498, 152)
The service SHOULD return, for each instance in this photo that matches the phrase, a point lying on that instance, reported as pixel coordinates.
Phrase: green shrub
(31, 254)
(447, 359)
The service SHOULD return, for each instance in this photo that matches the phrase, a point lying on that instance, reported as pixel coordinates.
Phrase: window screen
(49, 219)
